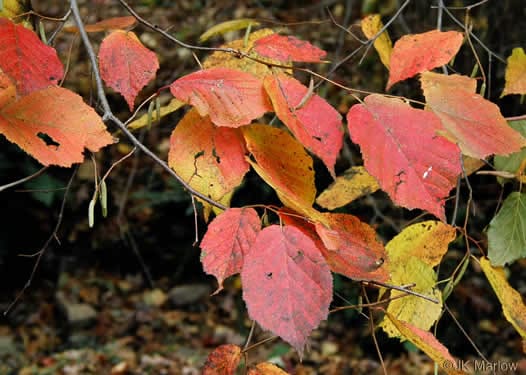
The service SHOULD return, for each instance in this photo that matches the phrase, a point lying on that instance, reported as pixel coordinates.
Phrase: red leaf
(228, 238)
(417, 53)
(287, 285)
(26, 59)
(210, 158)
(231, 97)
(288, 49)
(59, 115)
(476, 123)
(126, 65)
(316, 124)
(412, 164)
(223, 360)
(351, 248)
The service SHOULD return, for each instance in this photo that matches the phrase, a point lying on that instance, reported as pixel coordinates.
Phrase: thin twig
(39, 254)
(371, 325)
(22, 180)
(109, 116)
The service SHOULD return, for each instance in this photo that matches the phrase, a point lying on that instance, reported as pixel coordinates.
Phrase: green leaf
(507, 231)
(511, 163)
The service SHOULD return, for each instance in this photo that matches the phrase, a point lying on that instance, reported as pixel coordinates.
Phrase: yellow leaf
(515, 73)
(225, 27)
(412, 254)
(229, 60)
(427, 241)
(511, 300)
(354, 183)
(142, 121)
(426, 342)
(13, 8)
(371, 25)
(284, 164)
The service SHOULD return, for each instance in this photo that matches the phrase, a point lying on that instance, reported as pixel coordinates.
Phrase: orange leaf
(288, 48)
(287, 285)
(351, 248)
(515, 73)
(417, 53)
(223, 360)
(126, 65)
(476, 123)
(228, 238)
(312, 120)
(412, 164)
(53, 125)
(30, 63)
(210, 158)
(266, 368)
(284, 164)
(231, 97)
(115, 23)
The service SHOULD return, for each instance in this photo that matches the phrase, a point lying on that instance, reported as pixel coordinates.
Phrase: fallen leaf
(114, 23)
(223, 360)
(266, 368)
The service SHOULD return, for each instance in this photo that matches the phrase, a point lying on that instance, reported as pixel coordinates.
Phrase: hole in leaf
(48, 140)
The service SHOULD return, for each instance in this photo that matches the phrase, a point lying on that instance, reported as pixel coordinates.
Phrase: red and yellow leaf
(287, 285)
(351, 248)
(228, 238)
(230, 97)
(515, 73)
(474, 122)
(416, 53)
(288, 49)
(223, 360)
(428, 343)
(30, 63)
(313, 121)
(126, 65)
(115, 23)
(284, 164)
(53, 125)
(510, 299)
(412, 164)
(210, 158)
(266, 368)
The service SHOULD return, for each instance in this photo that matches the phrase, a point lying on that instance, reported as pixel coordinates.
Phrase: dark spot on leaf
(317, 138)
(214, 154)
(199, 154)
(269, 275)
(48, 140)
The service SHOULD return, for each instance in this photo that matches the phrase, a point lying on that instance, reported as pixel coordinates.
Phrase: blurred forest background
(129, 295)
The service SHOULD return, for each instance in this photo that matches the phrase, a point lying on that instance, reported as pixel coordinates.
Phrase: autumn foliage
(285, 256)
